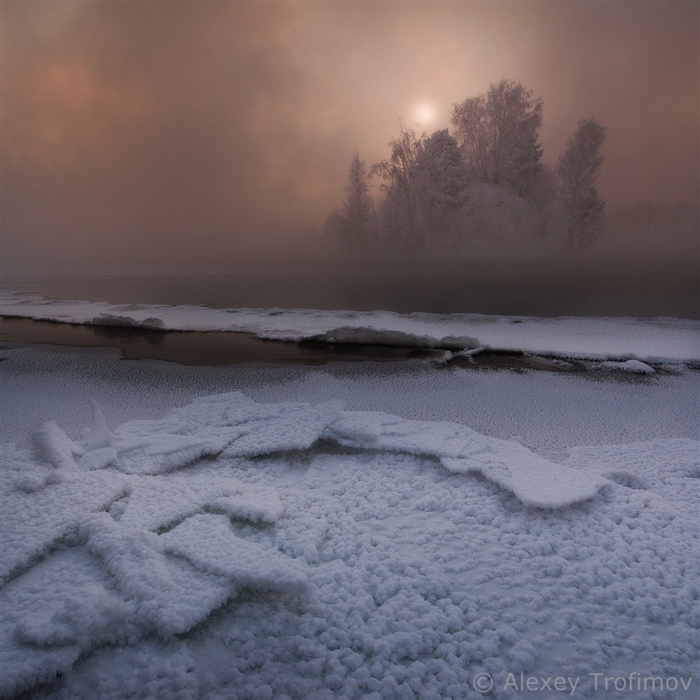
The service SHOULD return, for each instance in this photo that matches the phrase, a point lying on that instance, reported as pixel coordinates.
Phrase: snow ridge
(616, 339)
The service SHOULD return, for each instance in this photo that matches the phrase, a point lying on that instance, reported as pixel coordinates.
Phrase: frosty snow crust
(127, 537)
(616, 339)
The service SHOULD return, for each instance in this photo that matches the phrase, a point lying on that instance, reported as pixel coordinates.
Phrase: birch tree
(398, 212)
(498, 132)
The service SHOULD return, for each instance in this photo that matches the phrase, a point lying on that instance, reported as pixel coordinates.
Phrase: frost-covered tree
(498, 132)
(440, 182)
(398, 212)
(426, 180)
(398, 170)
(354, 223)
(578, 170)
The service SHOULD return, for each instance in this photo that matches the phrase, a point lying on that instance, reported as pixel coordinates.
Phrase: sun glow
(425, 113)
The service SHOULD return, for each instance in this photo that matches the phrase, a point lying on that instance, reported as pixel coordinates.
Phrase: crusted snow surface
(616, 339)
(534, 480)
(234, 549)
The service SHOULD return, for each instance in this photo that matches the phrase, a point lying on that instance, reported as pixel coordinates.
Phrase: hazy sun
(425, 113)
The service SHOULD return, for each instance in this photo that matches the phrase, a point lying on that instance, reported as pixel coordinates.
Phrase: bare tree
(578, 171)
(498, 132)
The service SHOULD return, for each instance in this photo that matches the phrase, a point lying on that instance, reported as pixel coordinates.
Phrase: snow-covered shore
(239, 547)
(646, 339)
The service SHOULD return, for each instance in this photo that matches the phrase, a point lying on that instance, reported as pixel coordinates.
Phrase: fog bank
(204, 134)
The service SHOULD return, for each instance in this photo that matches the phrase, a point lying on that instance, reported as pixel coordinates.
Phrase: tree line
(483, 184)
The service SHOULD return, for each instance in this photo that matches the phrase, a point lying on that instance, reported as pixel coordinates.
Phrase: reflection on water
(528, 288)
(211, 348)
(129, 335)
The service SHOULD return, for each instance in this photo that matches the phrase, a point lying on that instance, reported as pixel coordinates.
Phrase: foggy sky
(185, 133)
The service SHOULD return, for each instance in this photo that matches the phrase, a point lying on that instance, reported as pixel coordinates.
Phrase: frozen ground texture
(620, 339)
(234, 548)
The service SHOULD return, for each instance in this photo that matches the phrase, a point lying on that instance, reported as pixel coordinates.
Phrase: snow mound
(151, 323)
(633, 366)
(378, 336)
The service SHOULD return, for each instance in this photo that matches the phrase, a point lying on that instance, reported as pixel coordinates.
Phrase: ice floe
(246, 550)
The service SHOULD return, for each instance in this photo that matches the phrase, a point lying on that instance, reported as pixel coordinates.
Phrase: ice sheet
(352, 553)
(617, 339)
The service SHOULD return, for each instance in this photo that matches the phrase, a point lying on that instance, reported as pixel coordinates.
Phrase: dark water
(208, 349)
(198, 348)
(531, 288)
